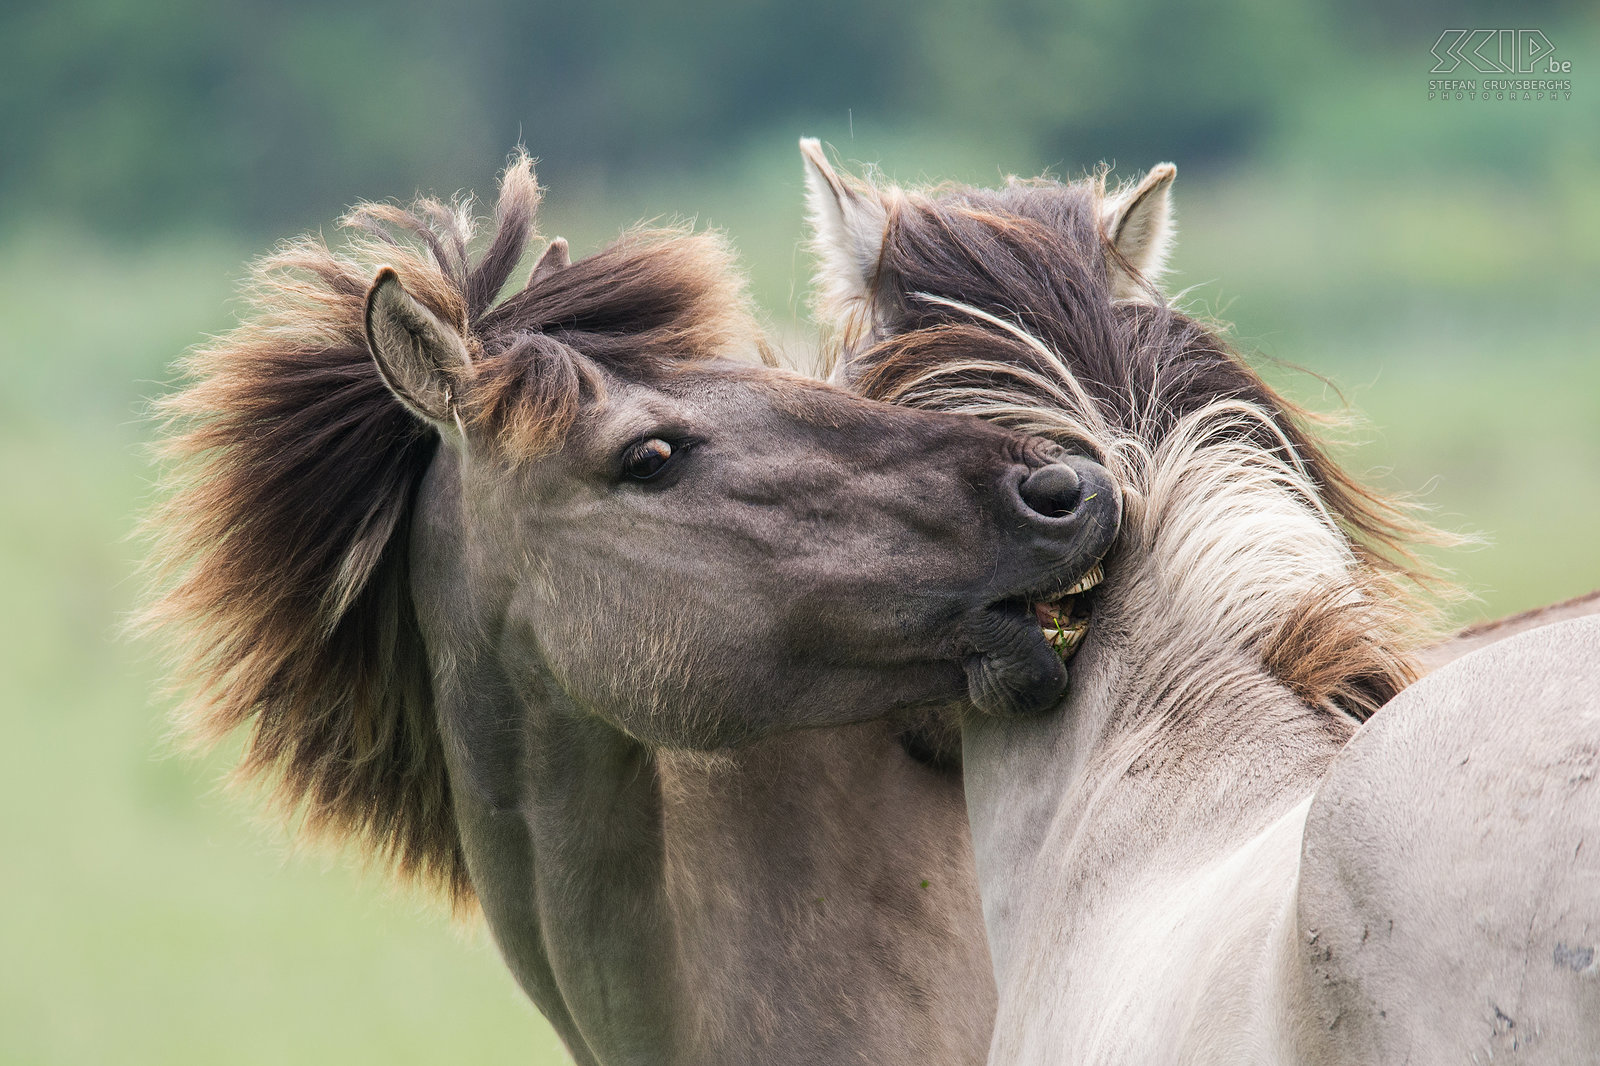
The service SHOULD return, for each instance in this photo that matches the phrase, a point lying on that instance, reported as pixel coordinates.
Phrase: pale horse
(1203, 855)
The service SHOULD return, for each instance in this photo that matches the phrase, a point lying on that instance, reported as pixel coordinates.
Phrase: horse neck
(826, 878)
(1176, 743)
(753, 905)
(1166, 755)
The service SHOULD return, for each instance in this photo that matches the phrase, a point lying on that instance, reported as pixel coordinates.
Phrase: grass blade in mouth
(1066, 621)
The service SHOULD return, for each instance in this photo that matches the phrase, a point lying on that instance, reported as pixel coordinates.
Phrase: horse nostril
(1052, 490)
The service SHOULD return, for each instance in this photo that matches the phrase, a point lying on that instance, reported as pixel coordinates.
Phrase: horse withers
(514, 591)
(1202, 855)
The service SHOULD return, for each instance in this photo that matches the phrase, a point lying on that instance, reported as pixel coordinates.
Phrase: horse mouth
(1023, 646)
(1064, 621)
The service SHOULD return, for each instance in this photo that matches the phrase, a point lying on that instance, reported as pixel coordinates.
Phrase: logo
(1497, 52)
(1464, 53)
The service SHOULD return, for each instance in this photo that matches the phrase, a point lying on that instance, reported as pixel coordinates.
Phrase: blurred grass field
(150, 918)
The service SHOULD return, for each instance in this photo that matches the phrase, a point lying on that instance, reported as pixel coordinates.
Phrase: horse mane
(280, 562)
(1000, 304)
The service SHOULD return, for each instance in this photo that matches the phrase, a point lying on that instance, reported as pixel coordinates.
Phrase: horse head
(1036, 305)
(701, 549)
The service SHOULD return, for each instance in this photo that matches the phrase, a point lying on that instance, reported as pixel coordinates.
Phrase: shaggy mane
(280, 555)
(1000, 304)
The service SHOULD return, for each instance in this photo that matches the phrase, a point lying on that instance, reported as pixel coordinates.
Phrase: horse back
(1475, 637)
(1449, 897)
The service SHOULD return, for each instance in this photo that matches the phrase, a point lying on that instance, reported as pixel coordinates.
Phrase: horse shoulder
(1449, 897)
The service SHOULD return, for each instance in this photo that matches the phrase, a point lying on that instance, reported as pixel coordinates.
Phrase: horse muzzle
(1068, 512)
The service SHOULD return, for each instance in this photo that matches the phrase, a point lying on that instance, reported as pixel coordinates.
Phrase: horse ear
(418, 356)
(555, 257)
(1138, 223)
(848, 219)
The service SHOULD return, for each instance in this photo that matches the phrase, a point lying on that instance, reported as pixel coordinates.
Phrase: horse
(1217, 848)
(514, 594)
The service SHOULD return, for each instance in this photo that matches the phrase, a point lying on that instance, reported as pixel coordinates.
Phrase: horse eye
(644, 460)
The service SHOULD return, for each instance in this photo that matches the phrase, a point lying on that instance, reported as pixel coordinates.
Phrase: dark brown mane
(1034, 256)
(281, 551)
(653, 300)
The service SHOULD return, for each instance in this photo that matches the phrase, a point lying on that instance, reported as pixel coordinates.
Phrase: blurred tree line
(255, 114)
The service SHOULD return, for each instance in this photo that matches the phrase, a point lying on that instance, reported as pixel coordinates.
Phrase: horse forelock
(654, 302)
(279, 565)
(1244, 529)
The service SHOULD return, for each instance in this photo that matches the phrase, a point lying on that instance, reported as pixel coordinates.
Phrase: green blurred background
(1438, 261)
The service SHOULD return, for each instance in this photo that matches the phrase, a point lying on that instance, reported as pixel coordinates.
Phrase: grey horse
(515, 592)
(1203, 855)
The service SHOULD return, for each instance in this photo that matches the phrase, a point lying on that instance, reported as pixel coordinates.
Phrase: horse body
(1420, 894)
(1196, 858)
(1449, 897)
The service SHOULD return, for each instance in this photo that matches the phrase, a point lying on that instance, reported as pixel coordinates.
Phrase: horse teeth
(1066, 639)
(1095, 575)
(1065, 636)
